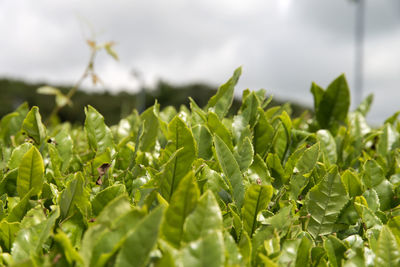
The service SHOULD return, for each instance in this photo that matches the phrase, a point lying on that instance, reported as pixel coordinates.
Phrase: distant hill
(112, 106)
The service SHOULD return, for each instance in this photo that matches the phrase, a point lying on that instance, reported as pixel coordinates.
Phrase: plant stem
(74, 89)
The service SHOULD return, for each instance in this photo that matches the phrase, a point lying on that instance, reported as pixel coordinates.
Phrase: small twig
(74, 89)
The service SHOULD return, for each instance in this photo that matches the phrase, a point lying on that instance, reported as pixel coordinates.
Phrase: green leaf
(355, 253)
(102, 241)
(303, 258)
(289, 252)
(372, 174)
(29, 242)
(206, 252)
(308, 159)
(258, 171)
(11, 124)
(231, 170)
(204, 141)
(280, 220)
(17, 155)
(263, 134)
(394, 225)
(386, 194)
(182, 143)
(244, 154)
(8, 231)
(30, 173)
(18, 212)
(365, 105)
(61, 99)
(367, 216)
(55, 160)
(69, 251)
(110, 50)
(245, 247)
(352, 183)
(222, 100)
(372, 199)
(9, 182)
(138, 245)
(256, 199)
(358, 126)
(335, 250)
(105, 196)
(281, 140)
(98, 134)
(204, 220)
(34, 127)
(388, 251)
(48, 90)
(324, 203)
(74, 196)
(218, 128)
(64, 145)
(182, 203)
(277, 171)
(150, 128)
(233, 257)
(318, 93)
(335, 103)
(328, 146)
(388, 140)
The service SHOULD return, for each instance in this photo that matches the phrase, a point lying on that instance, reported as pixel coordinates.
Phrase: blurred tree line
(111, 106)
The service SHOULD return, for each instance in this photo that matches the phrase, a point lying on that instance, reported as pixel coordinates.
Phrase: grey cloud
(181, 41)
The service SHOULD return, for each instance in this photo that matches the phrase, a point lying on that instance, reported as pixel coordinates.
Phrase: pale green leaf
(328, 146)
(182, 203)
(34, 127)
(74, 196)
(352, 183)
(388, 251)
(204, 141)
(17, 155)
(208, 251)
(30, 173)
(138, 245)
(231, 170)
(102, 198)
(205, 219)
(150, 128)
(256, 199)
(30, 241)
(8, 231)
(98, 134)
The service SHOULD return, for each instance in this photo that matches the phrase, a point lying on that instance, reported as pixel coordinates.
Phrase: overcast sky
(283, 45)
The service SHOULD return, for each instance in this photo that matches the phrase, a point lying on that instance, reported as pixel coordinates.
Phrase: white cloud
(283, 46)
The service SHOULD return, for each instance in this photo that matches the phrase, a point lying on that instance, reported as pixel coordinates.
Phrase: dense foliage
(200, 188)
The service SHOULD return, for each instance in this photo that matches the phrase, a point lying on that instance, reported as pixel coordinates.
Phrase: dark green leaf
(324, 203)
(335, 103)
